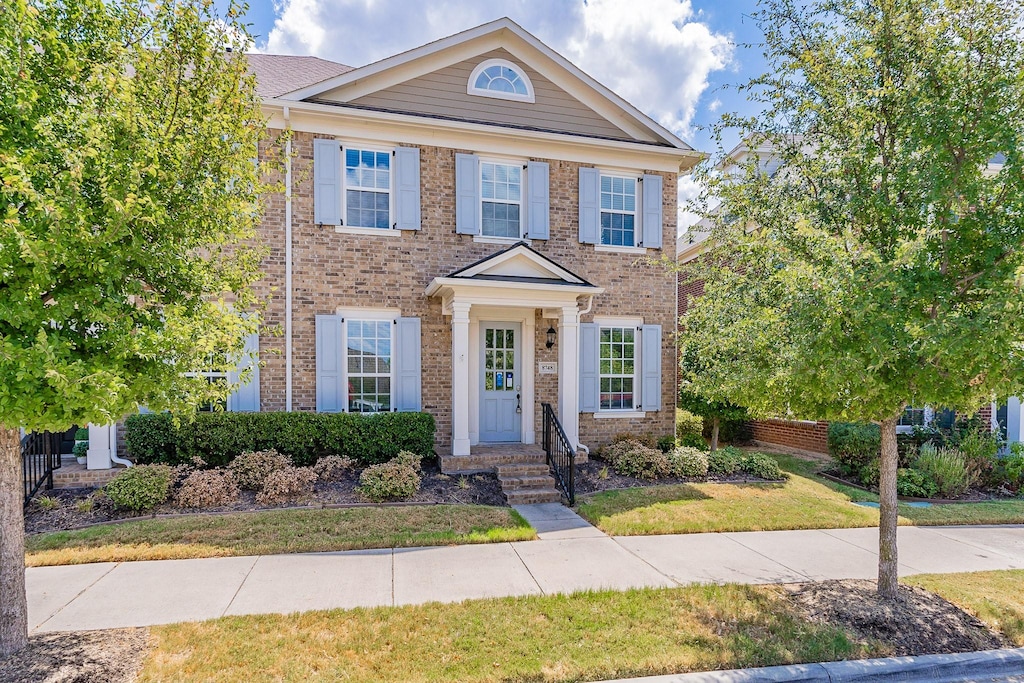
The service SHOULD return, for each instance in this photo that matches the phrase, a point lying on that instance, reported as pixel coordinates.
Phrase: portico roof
(519, 274)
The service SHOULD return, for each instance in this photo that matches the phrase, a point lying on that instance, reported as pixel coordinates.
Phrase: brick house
(811, 435)
(464, 232)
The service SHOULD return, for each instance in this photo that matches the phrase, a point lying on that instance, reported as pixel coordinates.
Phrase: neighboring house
(812, 435)
(464, 233)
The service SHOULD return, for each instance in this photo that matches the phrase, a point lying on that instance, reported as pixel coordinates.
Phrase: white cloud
(688, 191)
(655, 53)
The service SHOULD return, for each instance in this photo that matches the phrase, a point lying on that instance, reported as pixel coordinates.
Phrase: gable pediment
(432, 81)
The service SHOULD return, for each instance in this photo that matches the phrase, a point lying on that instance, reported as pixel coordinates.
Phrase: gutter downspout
(288, 265)
(590, 305)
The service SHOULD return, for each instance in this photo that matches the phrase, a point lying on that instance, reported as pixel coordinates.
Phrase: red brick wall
(808, 436)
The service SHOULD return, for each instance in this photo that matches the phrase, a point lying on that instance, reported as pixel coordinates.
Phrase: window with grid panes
(617, 368)
(369, 365)
(367, 188)
(618, 211)
(501, 190)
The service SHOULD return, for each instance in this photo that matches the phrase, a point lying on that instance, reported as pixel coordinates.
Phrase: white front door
(501, 382)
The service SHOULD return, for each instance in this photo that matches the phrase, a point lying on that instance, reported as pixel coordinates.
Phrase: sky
(676, 60)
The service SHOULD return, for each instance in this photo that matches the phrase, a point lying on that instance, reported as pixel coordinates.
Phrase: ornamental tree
(866, 250)
(129, 201)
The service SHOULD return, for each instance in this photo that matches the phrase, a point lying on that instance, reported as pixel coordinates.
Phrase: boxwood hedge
(218, 437)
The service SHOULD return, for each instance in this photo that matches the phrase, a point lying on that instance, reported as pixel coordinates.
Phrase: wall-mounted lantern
(551, 337)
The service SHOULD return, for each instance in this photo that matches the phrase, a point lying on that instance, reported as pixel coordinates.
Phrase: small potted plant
(81, 447)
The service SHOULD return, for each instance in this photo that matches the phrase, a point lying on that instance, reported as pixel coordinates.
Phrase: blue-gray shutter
(650, 383)
(326, 182)
(538, 201)
(329, 364)
(589, 355)
(590, 212)
(407, 188)
(246, 397)
(407, 358)
(652, 211)
(467, 194)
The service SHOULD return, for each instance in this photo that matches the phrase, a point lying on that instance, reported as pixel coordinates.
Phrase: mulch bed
(112, 656)
(969, 496)
(435, 488)
(597, 475)
(919, 623)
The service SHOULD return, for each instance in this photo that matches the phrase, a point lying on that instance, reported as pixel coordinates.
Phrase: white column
(460, 378)
(568, 372)
(102, 443)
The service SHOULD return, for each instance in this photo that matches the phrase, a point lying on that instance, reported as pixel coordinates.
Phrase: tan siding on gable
(443, 93)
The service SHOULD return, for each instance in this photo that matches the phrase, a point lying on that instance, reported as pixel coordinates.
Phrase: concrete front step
(532, 496)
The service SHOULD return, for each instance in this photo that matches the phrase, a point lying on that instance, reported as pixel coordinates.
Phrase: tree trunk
(13, 604)
(888, 579)
(714, 433)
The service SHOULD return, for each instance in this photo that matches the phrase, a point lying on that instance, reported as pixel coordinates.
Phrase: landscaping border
(905, 499)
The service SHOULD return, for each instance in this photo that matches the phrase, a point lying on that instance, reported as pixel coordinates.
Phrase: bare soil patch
(113, 656)
(918, 623)
(435, 487)
(597, 475)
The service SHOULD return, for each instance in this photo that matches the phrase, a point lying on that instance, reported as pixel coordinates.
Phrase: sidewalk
(571, 555)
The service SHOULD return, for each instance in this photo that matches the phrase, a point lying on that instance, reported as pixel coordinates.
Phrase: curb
(988, 666)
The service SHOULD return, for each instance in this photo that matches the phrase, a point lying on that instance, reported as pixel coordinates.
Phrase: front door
(501, 383)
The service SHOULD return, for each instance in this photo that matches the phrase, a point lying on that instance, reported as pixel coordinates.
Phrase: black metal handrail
(40, 456)
(561, 455)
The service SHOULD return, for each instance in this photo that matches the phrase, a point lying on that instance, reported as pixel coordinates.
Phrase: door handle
(519, 403)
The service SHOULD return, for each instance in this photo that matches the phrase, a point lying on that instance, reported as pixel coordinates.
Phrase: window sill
(619, 413)
(620, 250)
(378, 232)
(485, 239)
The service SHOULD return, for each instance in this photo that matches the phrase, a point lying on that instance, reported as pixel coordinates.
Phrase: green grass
(805, 501)
(279, 531)
(585, 636)
(994, 597)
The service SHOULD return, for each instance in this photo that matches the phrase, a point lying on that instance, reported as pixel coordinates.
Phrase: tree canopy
(865, 253)
(129, 200)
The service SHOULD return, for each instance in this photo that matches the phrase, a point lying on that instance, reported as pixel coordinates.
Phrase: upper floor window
(501, 194)
(502, 79)
(367, 188)
(618, 211)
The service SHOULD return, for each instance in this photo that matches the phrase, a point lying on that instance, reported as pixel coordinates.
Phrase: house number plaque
(548, 368)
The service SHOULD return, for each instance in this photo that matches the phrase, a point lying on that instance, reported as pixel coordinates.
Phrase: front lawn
(994, 597)
(279, 531)
(585, 636)
(805, 501)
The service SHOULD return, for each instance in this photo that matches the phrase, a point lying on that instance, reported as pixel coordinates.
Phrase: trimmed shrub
(688, 424)
(634, 459)
(915, 483)
(333, 467)
(397, 479)
(694, 441)
(82, 434)
(724, 462)
(666, 443)
(853, 446)
(252, 469)
(80, 449)
(304, 437)
(946, 467)
(688, 462)
(762, 466)
(207, 488)
(142, 487)
(286, 484)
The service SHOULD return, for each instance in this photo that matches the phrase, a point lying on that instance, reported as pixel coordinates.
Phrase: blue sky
(677, 60)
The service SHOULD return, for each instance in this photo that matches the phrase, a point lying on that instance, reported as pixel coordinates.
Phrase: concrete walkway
(571, 555)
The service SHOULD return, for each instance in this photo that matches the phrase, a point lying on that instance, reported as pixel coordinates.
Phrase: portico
(493, 305)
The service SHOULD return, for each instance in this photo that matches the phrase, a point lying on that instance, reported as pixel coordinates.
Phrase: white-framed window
(212, 377)
(617, 367)
(501, 199)
(369, 370)
(619, 223)
(912, 417)
(367, 180)
(502, 79)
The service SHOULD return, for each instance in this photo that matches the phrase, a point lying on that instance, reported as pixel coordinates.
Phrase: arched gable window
(502, 79)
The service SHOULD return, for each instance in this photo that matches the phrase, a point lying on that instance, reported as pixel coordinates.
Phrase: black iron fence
(40, 456)
(561, 455)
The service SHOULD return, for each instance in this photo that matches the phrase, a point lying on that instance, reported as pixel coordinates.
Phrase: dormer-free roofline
(495, 27)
